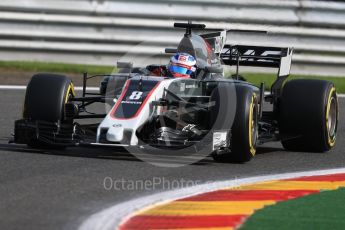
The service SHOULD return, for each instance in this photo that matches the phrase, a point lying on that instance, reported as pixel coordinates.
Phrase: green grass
(256, 79)
(54, 67)
(321, 211)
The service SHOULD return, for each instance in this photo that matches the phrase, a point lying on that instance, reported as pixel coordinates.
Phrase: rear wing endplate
(258, 56)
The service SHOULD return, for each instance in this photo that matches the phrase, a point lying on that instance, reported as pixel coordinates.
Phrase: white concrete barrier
(88, 29)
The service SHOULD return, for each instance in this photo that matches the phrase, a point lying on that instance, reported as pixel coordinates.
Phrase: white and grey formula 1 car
(224, 117)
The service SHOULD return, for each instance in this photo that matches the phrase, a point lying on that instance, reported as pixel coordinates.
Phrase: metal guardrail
(101, 31)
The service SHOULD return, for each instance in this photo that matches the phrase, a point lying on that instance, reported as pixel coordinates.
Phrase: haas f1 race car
(224, 117)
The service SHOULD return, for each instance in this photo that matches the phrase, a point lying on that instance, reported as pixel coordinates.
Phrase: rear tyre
(244, 130)
(45, 100)
(308, 115)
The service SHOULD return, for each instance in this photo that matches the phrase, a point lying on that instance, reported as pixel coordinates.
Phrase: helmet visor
(180, 70)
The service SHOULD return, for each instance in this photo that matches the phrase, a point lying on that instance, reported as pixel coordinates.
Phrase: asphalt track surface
(60, 189)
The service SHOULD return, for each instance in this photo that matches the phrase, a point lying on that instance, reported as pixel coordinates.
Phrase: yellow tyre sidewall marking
(70, 89)
(250, 126)
(331, 140)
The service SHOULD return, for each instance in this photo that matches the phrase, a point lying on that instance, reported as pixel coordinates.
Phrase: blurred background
(101, 32)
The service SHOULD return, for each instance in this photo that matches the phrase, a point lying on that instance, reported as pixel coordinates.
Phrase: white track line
(112, 217)
(13, 87)
(22, 87)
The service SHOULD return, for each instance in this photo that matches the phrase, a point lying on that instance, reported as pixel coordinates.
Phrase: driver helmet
(182, 65)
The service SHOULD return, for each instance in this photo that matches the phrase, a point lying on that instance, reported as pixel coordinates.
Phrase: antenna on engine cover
(189, 26)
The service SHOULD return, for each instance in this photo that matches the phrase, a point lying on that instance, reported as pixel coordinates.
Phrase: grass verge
(255, 78)
(54, 67)
(321, 211)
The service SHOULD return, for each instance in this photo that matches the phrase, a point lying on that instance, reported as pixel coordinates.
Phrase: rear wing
(258, 56)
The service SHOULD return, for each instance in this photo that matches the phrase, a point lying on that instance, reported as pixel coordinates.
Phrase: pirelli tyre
(244, 129)
(45, 100)
(308, 115)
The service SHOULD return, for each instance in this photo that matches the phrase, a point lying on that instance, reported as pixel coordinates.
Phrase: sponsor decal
(220, 140)
(132, 102)
(192, 86)
(182, 58)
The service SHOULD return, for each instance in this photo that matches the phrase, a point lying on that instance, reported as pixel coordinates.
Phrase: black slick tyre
(308, 115)
(244, 129)
(45, 100)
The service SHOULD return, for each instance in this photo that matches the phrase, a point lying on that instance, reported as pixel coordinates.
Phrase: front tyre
(45, 100)
(244, 130)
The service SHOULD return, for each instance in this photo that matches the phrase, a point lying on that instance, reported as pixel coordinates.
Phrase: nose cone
(115, 134)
